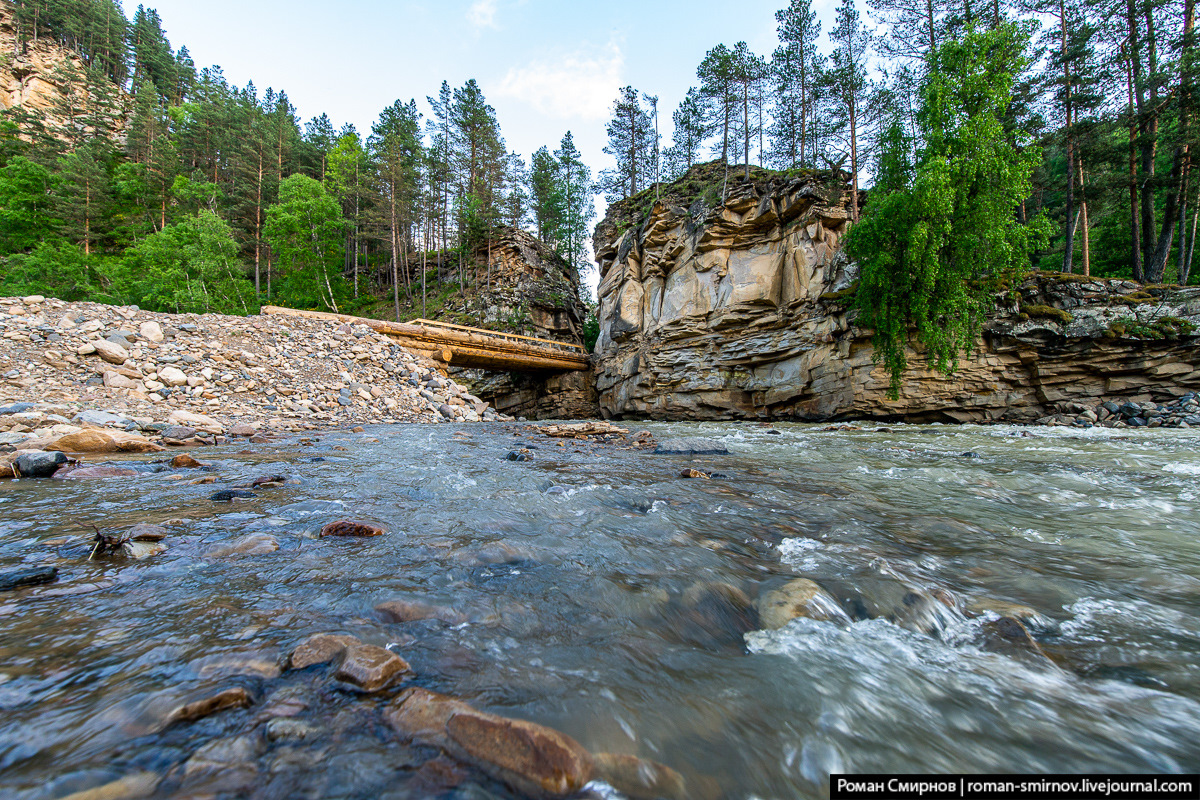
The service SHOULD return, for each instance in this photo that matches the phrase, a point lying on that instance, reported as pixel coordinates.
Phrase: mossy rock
(1047, 312)
(841, 296)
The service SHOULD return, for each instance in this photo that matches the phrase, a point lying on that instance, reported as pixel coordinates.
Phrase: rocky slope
(190, 379)
(711, 311)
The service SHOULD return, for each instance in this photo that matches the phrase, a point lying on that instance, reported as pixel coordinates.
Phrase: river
(589, 588)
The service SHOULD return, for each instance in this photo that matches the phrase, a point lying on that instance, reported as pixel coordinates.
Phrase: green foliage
(304, 230)
(55, 269)
(1160, 328)
(933, 253)
(189, 267)
(26, 205)
(591, 327)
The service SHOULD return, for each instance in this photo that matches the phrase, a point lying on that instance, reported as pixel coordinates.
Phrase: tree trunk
(1135, 237)
(746, 128)
(854, 161)
(1087, 241)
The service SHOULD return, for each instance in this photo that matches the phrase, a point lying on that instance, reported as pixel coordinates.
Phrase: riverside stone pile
(163, 379)
(1183, 413)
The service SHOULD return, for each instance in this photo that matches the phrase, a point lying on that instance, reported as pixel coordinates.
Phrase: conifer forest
(154, 181)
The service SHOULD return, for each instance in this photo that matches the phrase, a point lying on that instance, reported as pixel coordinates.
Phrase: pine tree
(690, 133)
(546, 197)
(632, 142)
(717, 85)
(576, 186)
(85, 193)
(397, 153)
(849, 78)
(797, 67)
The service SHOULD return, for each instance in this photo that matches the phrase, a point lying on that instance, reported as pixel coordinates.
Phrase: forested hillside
(128, 175)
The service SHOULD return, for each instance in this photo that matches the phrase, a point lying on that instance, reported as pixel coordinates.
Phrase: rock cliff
(739, 310)
(49, 82)
(533, 291)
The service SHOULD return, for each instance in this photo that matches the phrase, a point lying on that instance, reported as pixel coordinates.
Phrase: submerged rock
(95, 472)
(795, 599)
(691, 446)
(415, 610)
(140, 550)
(206, 705)
(532, 759)
(229, 495)
(347, 527)
(639, 779)
(33, 576)
(254, 544)
(131, 787)
(1008, 636)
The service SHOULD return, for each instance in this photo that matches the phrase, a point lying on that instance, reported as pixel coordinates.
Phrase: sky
(546, 66)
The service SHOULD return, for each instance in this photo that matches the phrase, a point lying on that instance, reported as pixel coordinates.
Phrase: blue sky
(545, 65)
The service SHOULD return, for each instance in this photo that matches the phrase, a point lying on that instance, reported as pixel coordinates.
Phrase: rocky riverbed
(513, 610)
(140, 381)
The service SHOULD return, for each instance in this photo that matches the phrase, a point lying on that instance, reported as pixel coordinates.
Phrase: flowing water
(591, 588)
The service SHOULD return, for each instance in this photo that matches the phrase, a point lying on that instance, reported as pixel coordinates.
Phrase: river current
(582, 585)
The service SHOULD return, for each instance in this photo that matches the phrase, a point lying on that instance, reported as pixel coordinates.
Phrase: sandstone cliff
(531, 290)
(738, 310)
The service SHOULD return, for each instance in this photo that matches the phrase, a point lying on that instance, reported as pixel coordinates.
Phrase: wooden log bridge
(460, 346)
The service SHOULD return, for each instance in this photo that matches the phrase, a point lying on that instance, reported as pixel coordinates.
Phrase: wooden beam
(467, 347)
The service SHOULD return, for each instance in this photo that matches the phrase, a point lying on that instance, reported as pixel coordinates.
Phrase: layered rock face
(738, 311)
(534, 292)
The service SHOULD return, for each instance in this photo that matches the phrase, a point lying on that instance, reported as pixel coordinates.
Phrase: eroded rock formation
(535, 292)
(711, 311)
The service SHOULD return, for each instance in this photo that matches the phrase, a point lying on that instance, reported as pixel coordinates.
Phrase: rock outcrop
(49, 82)
(534, 292)
(739, 310)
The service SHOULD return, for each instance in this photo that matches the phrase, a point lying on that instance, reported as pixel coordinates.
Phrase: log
(465, 347)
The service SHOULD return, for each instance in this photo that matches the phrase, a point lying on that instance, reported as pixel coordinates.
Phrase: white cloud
(569, 86)
(482, 13)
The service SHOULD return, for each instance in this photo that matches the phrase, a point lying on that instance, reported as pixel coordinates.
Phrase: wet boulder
(370, 668)
(795, 599)
(320, 648)
(39, 464)
(534, 760)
